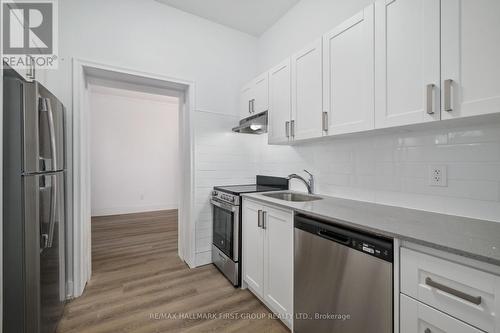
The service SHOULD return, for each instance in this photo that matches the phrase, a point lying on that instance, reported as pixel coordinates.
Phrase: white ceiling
(250, 16)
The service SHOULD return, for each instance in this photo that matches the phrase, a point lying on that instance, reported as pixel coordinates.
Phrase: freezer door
(43, 116)
(52, 250)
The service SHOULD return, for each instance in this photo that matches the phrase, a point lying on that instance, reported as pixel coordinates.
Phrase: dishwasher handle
(333, 236)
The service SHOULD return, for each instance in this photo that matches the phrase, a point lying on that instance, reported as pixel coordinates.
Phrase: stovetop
(250, 188)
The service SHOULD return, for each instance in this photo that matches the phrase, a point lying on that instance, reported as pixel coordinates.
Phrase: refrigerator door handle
(45, 106)
(53, 210)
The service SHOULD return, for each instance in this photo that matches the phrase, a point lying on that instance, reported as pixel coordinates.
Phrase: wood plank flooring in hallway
(139, 285)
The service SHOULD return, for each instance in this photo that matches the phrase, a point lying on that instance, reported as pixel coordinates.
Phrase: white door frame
(79, 168)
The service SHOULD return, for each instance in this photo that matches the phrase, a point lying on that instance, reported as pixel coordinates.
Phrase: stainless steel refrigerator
(34, 216)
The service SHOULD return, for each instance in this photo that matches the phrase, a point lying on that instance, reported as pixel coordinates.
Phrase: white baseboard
(203, 258)
(131, 209)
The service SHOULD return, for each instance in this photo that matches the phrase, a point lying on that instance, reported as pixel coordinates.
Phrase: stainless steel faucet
(309, 183)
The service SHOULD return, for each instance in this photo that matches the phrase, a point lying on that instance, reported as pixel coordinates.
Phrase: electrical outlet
(438, 175)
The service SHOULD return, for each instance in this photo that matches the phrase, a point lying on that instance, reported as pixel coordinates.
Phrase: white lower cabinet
(417, 317)
(253, 248)
(268, 256)
(278, 260)
(453, 290)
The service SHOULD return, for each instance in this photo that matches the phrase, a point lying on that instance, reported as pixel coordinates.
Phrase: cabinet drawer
(460, 291)
(417, 317)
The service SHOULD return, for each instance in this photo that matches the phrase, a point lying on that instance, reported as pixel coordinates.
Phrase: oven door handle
(224, 205)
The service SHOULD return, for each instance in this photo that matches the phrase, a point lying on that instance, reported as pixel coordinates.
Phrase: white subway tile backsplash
(392, 168)
(474, 171)
(389, 168)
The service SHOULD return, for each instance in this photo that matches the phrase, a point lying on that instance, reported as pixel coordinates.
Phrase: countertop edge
(291, 206)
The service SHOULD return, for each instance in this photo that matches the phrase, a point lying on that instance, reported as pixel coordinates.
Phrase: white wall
(134, 151)
(307, 20)
(145, 35)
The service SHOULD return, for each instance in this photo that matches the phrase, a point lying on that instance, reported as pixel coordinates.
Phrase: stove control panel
(226, 197)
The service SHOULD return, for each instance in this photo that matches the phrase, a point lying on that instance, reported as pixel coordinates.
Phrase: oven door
(226, 219)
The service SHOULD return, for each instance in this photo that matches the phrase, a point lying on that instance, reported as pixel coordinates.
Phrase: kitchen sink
(290, 196)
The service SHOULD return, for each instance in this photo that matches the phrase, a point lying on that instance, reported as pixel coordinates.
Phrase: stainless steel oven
(226, 218)
(226, 234)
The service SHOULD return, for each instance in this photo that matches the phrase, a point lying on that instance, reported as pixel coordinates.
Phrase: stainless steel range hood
(256, 124)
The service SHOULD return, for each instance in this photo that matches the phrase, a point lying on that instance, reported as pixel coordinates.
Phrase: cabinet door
(348, 65)
(261, 94)
(307, 92)
(253, 248)
(246, 100)
(416, 317)
(279, 102)
(470, 55)
(407, 68)
(278, 261)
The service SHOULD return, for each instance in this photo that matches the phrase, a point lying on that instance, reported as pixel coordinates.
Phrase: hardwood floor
(139, 284)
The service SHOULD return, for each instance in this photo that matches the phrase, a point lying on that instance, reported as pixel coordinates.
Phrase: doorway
(87, 76)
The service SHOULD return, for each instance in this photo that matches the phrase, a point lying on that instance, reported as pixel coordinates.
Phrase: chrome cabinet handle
(430, 98)
(287, 129)
(325, 121)
(292, 128)
(447, 95)
(264, 218)
(253, 106)
(259, 218)
(469, 298)
(250, 106)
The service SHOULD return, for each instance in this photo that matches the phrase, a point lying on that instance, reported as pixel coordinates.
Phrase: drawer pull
(427, 330)
(473, 299)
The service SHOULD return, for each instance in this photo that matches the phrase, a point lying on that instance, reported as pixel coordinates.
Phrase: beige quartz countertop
(474, 238)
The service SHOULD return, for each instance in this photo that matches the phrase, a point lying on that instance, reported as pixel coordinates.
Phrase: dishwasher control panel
(370, 244)
(377, 251)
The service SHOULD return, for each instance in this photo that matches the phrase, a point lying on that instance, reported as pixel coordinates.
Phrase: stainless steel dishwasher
(343, 279)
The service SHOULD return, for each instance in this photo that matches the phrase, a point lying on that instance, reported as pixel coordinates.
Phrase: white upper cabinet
(280, 100)
(246, 100)
(254, 96)
(407, 68)
(470, 56)
(307, 88)
(396, 63)
(348, 74)
(261, 93)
